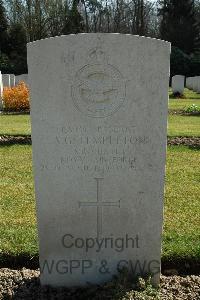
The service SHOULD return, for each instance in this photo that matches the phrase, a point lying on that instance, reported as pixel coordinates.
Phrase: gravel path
(24, 284)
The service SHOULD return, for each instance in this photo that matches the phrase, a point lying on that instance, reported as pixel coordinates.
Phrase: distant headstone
(22, 77)
(197, 84)
(178, 84)
(188, 82)
(192, 83)
(6, 80)
(99, 119)
(12, 80)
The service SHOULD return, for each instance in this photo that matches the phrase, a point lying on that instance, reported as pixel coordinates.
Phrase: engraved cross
(99, 204)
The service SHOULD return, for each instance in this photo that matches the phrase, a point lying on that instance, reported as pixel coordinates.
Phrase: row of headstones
(193, 83)
(178, 84)
(10, 80)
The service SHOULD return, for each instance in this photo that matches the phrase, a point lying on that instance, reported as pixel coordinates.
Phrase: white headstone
(197, 84)
(22, 77)
(6, 80)
(188, 82)
(178, 84)
(194, 83)
(99, 143)
(12, 80)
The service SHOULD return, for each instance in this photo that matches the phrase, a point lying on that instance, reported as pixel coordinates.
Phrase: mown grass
(183, 125)
(182, 203)
(15, 125)
(190, 97)
(177, 125)
(17, 207)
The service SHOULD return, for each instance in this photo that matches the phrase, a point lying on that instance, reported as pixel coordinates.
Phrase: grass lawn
(178, 125)
(183, 125)
(15, 125)
(179, 104)
(182, 203)
(17, 207)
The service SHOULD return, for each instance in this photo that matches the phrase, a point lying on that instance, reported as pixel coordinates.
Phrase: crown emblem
(97, 55)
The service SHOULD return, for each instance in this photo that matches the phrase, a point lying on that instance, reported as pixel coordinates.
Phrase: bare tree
(42, 18)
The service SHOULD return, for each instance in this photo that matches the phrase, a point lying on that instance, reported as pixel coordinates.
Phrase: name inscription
(101, 149)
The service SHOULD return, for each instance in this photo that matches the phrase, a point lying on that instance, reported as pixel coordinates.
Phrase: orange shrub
(16, 98)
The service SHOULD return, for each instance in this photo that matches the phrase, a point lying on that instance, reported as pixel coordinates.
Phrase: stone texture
(99, 120)
(178, 84)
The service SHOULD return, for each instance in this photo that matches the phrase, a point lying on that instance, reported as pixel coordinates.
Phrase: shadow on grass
(194, 147)
(178, 98)
(183, 265)
(24, 260)
(197, 97)
(14, 113)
